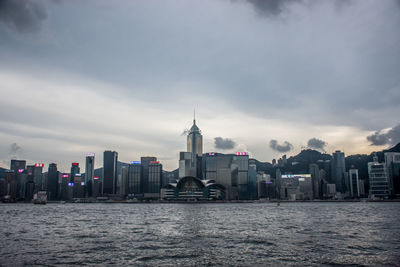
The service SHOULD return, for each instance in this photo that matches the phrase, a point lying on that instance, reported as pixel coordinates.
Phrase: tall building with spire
(195, 140)
(190, 161)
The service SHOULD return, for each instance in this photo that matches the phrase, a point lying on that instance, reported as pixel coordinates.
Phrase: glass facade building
(110, 159)
(338, 170)
(378, 180)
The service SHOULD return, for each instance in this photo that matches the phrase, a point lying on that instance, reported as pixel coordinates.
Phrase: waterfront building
(362, 187)
(315, 179)
(52, 182)
(266, 186)
(329, 191)
(22, 179)
(296, 187)
(65, 187)
(240, 162)
(252, 186)
(17, 165)
(89, 173)
(338, 170)
(78, 186)
(354, 183)
(392, 161)
(37, 171)
(144, 182)
(154, 180)
(222, 169)
(378, 179)
(110, 159)
(123, 182)
(193, 189)
(96, 186)
(134, 178)
(74, 170)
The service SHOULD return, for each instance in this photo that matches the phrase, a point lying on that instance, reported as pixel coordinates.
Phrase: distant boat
(40, 198)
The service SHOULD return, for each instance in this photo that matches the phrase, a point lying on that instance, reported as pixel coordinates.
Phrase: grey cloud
(22, 15)
(285, 147)
(224, 143)
(316, 144)
(277, 7)
(271, 7)
(391, 137)
(185, 132)
(15, 150)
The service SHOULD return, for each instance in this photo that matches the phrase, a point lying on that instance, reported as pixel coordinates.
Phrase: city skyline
(263, 79)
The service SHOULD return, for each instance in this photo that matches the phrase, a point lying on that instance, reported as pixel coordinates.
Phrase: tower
(110, 159)
(195, 147)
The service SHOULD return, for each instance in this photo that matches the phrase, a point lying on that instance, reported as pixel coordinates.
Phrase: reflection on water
(200, 234)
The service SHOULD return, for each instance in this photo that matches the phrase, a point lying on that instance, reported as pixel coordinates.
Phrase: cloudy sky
(267, 77)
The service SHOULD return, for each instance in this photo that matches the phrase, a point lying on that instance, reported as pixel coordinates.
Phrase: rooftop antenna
(194, 116)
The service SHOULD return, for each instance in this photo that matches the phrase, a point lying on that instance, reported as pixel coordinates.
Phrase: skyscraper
(338, 170)
(89, 168)
(144, 181)
(89, 173)
(195, 147)
(110, 159)
(74, 170)
(392, 161)
(52, 182)
(16, 165)
(155, 174)
(316, 185)
(37, 176)
(134, 178)
(123, 182)
(378, 179)
(241, 160)
(354, 183)
(252, 186)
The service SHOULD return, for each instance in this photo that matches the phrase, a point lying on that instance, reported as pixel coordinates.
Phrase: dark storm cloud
(315, 143)
(271, 7)
(14, 150)
(224, 143)
(285, 147)
(391, 137)
(22, 15)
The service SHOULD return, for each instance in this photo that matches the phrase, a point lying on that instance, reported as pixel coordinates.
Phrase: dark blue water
(200, 234)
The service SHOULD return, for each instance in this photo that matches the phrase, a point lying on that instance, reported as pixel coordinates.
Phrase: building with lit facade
(193, 189)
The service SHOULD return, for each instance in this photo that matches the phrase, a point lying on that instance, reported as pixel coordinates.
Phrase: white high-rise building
(378, 179)
(354, 183)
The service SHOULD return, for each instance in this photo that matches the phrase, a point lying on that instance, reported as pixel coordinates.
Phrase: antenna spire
(194, 116)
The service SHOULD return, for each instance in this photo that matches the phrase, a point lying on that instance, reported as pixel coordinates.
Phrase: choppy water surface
(200, 234)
